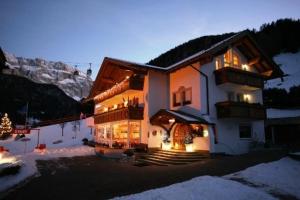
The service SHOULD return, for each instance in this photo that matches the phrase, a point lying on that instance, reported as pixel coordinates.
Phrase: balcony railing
(230, 109)
(134, 83)
(238, 76)
(120, 114)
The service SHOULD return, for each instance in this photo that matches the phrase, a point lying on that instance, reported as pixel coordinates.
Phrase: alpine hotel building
(214, 95)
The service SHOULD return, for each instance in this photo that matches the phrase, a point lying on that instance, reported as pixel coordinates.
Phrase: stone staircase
(163, 158)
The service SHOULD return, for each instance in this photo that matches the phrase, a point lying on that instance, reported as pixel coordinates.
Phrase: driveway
(91, 177)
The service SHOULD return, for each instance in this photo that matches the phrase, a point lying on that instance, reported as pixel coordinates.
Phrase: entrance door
(179, 134)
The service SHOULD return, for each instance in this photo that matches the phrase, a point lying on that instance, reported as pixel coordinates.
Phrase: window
(176, 99)
(182, 97)
(230, 96)
(218, 63)
(239, 97)
(187, 96)
(245, 131)
(236, 60)
(227, 59)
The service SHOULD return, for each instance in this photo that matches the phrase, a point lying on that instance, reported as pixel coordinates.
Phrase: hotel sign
(21, 131)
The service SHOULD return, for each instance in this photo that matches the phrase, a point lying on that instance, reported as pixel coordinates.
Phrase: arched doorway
(179, 134)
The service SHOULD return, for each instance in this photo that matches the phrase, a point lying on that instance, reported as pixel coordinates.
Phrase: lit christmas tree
(5, 127)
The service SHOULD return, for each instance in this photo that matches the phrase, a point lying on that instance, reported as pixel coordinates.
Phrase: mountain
(56, 73)
(45, 101)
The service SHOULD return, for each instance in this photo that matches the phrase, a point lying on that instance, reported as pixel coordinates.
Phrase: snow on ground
(29, 168)
(203, 187)
(290, 64)
(278, 113)
(56, 146)
(51, 136)
(281, 177)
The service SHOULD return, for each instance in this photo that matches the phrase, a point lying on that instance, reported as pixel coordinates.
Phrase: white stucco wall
(156, 89)
(187, 77)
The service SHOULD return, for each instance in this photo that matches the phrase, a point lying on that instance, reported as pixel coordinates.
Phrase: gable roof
(109, 75)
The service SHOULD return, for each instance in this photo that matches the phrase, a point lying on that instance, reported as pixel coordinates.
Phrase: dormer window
(236, 60)
(227, 60)
(231, 59)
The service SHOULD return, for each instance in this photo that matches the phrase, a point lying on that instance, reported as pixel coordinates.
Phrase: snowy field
(289, 63)
(57, 145)
(280, 177)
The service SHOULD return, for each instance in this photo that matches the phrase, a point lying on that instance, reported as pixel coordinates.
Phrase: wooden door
(179, 134)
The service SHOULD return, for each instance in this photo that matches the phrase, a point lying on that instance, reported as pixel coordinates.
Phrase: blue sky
(136, 30)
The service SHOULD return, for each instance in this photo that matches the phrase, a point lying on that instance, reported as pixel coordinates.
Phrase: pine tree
(5, 127)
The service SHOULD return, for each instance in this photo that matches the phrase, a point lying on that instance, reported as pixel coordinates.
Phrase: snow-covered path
(279, 177)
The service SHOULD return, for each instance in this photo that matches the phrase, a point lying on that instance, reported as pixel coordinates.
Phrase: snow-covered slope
(57, 73)
(290, 65)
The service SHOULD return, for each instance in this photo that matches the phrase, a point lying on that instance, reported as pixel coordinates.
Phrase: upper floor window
(227, 58)
(236, 60)
(239, 97)
(218, 63)
(231, 59)
(182, 96)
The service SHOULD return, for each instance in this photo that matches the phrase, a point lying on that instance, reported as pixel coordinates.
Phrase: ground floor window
(245, 131)
(119, 134)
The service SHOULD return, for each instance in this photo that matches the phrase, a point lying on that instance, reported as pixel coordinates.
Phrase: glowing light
(115, 106)
(245, 67)
(205, 133)
(166, 146)
(171, 120)
(126, 103)
(105, 109)
(98, 105)
(176, 145)
(8, 160)
(189, 147)
(247, 97)
(127, 77)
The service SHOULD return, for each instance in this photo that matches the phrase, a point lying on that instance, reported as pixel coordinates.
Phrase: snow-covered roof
(282, 113)
(136, 63)
(185, 117)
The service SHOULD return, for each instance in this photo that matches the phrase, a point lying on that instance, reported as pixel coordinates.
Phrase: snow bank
(282, 175)
(204, 187)
(29, 168)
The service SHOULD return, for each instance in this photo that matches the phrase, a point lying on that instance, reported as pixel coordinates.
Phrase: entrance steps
(161, 157)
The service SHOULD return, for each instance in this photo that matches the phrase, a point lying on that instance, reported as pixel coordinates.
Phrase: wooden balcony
(120, 114)
(133, 83)
(238, 76)
(230, 109)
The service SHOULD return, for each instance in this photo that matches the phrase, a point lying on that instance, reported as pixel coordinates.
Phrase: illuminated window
(236, 60)
(227, 59)
(218, 63)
